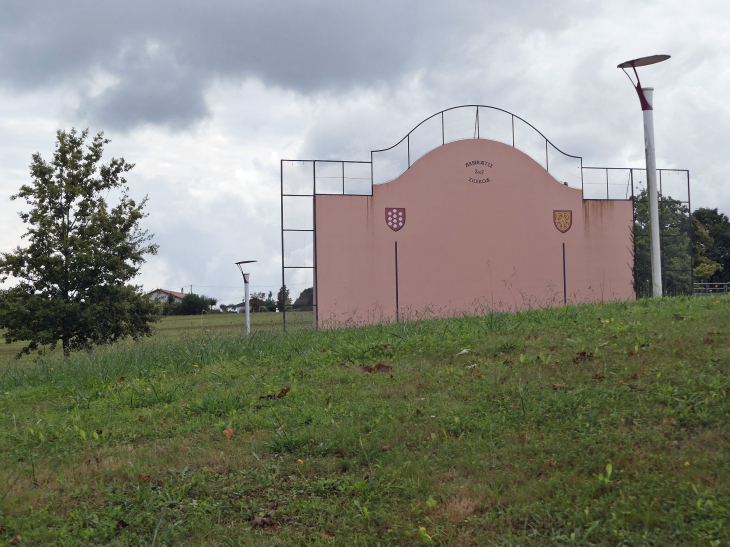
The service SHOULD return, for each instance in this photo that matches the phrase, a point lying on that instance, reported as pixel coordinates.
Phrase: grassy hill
(176, 327)
(600, 424)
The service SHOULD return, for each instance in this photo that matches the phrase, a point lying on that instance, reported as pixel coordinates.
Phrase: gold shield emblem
(563, 220)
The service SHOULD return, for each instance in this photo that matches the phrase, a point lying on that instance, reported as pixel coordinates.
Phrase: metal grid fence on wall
(302, 180)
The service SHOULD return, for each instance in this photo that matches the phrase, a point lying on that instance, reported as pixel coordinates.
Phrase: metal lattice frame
(312, 230)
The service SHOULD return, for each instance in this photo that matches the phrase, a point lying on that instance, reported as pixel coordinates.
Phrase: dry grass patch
(457, 508)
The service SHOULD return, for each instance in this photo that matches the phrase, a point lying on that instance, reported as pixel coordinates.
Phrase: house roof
(253, 301)
(176, 294)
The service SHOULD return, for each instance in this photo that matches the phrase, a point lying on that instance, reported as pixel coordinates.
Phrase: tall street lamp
(646, 98)
(245, 298)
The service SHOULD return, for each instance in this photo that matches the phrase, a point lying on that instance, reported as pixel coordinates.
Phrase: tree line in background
(191, 304)
(701, 246)
(260, 302)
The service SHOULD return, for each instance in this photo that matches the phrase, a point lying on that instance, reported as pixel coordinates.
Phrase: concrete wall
(468, 243)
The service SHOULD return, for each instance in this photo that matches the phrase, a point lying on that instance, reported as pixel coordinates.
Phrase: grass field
(178, 326)
(602, 424)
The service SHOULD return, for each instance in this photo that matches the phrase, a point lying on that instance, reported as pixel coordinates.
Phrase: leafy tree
(193, 304)
(258, 301)
(305, 300)
(282, 298)
(717, 226)
(675, 246)
(704, 268)
(170, 305)
(256, 304)
(710, 249)
(73, 276)
(270, 302)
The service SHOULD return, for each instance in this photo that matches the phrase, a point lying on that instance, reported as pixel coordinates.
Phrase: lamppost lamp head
(644, 61)
(240, 268)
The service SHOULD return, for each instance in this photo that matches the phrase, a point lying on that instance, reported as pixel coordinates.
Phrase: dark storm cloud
(163, 55)
(153, 88)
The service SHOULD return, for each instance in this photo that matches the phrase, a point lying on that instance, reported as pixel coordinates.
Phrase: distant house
(254, 304)
(162, 295)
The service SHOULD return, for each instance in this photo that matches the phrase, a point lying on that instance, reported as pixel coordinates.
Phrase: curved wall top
(475, 122)
(479, 218)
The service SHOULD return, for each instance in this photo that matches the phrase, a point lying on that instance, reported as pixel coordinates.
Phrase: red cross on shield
(395, 218)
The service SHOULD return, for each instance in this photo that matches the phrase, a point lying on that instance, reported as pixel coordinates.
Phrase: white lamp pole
(651, 182)
(646, 98)
(245, 298)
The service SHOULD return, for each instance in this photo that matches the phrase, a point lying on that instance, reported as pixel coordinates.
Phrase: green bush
(193, 304)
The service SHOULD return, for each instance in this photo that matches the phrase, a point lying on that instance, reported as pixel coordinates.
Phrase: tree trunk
(66, 346)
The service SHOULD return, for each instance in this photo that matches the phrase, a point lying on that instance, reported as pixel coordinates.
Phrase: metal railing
(711, 289)
(475, 122)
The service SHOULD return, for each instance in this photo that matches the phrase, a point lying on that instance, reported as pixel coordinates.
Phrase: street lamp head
(240, 268)
(644, 61)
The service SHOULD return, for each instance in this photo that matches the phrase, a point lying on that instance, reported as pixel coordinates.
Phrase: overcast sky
(206, 98)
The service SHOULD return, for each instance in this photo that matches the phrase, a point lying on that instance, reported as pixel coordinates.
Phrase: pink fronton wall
(471, 241)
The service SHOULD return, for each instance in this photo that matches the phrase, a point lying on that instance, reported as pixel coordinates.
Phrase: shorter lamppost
(245, 283)
(646, 96)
